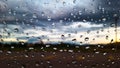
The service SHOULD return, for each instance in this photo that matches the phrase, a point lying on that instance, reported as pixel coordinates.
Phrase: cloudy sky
(73, 21)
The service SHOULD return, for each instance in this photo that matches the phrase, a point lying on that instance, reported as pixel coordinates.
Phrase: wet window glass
(57, 33)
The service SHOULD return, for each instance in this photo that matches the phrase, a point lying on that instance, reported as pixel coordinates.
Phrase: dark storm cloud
(43, 9)
(66, 10)
(104, 9)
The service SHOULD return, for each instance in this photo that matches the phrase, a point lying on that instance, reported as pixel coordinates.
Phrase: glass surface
(59, 33)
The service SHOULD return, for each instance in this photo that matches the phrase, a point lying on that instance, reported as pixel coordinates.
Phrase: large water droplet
(86, 39)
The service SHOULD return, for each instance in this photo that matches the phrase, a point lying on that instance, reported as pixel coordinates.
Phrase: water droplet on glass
(104, 19)
(70, 50)
(16, 30)
(55, 48)
(9, 52)
(106, 37)
(87, 47)
(34, 15)
(86, 39)
(112, 25)
(37, 64)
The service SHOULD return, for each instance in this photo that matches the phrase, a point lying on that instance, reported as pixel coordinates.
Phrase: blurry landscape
(24, 55)
(21, 46)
